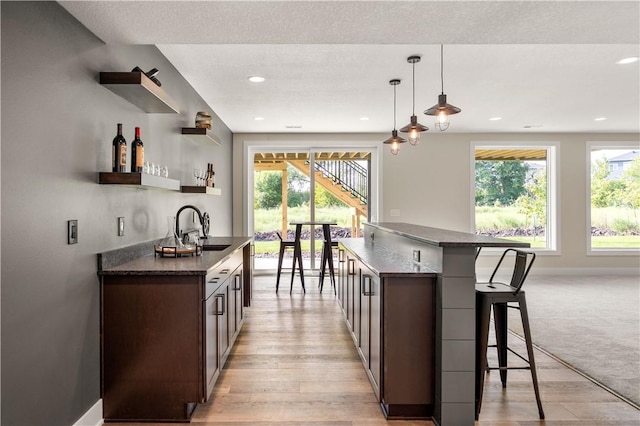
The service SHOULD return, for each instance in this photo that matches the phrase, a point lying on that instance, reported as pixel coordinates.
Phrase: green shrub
(622, 226)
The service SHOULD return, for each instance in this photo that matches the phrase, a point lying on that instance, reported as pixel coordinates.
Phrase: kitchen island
(408, 298)
(168, 325)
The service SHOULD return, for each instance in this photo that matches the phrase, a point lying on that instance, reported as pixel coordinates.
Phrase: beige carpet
(591, 323)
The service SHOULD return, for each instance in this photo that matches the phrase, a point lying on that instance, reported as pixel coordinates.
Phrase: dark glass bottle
(137, 153)
(119, 152)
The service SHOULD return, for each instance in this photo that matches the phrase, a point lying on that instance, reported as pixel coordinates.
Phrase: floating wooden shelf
(138, 89)
(139, 180)
(200, 134)
(201, 190)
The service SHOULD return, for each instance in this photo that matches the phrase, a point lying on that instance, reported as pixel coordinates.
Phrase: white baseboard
(543, 272)
(93, 416)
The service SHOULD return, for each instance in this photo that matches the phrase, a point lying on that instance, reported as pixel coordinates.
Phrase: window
(514, 193)
(614, 194)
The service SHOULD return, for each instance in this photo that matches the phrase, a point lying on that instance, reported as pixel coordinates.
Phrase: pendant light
(394, 140)
(414, 128)
(442, 110)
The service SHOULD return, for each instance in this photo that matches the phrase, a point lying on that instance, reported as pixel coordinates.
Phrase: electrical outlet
(394, 212)
(120, 226)
(72, 232)
(416, 255)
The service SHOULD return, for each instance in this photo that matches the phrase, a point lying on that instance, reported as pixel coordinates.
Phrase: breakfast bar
(408, 297)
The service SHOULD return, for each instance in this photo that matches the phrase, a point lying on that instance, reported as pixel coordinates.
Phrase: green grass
(618, 241)
(272, 247)
(607, 216)
(496, 218)
(266, 220)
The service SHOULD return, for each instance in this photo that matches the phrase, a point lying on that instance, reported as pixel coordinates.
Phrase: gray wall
(57, 127)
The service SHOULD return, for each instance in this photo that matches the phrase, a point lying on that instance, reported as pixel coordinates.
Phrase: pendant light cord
(413, 88)
(394, 107)
(442, 68)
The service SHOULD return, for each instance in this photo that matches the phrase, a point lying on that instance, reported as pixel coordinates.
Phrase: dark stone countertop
(444, 237)
(383, 261)
(140, 259)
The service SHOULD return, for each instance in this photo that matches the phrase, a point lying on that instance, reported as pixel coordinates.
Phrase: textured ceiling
(549, 65)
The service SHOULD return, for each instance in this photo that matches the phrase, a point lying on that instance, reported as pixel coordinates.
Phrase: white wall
(430, 185)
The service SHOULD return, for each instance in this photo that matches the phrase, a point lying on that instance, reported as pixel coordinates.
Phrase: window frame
(609, 251)
(553, 187)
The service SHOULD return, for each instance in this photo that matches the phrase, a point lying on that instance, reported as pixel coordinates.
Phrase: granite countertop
(384, 261)
(140, 259)
(444, 237)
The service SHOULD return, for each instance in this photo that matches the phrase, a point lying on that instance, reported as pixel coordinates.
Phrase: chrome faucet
(194, 208)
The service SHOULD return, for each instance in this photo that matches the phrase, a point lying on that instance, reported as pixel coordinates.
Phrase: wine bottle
(137, 153)
(213, 177)
(209, 170)
(119, 152)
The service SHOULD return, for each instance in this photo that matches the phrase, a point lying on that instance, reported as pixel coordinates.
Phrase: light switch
(72, 232)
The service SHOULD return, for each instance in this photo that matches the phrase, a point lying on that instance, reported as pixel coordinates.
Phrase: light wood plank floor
(294, 363)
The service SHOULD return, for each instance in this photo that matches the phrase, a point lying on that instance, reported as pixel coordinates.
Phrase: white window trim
(631, 251)
(553, 187)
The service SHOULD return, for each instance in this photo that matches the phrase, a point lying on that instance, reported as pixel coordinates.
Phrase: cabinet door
(211, 343)
(350, 288)
(237, 289)
(364, 295)
(375, 330)
(222, 301)
(355, 277)
(341, 277)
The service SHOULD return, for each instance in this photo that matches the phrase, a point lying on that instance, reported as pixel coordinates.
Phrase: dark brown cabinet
(370, 325)
(165, 339)
(392, 323)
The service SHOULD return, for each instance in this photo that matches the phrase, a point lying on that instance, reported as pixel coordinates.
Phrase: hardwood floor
(294, 363)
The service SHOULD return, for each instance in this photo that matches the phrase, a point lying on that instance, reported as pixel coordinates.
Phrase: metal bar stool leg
(483, 315)
(527, 338)
(280, 257)
(500, 321)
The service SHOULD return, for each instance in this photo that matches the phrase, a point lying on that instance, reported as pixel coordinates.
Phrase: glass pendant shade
(413, 129)
(394, 140)
(442, 110)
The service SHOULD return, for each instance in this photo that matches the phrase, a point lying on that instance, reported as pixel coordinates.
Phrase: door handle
(235, 282)
(351, 267)
(220, 311)
(365, 278)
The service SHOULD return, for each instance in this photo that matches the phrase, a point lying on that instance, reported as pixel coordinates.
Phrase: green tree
(326, 199)
(605, 192)
(533, 203)
(630, 194)
(268, 189)
(499, 182)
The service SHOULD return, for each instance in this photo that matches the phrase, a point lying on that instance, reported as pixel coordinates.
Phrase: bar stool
(327, 260)
(284, 245)
(498, 296)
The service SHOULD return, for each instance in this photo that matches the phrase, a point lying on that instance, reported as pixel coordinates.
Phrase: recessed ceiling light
(495, 118)
(363, 118)
(256, 79)
(258, 118)
(628, 60)
(533, 126)
(293, 127)
(600, 119)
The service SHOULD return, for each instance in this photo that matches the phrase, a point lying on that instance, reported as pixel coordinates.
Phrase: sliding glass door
(310, 185)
